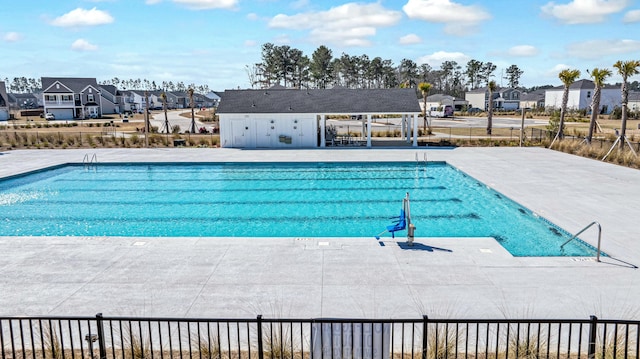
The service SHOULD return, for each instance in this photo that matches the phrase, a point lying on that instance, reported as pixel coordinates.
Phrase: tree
(474, 73)
(567, 77)
(190, 91)
(320, 67)
(424, 87)
(513, 75)
(492, 87)
(626, 69)
(486, 72)
(408, 72)
(163, 96)
(598, 76)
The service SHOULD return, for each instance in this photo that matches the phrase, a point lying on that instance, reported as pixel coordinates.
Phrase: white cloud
(82, 17)
(410, 39)
(83, 45)
(523, 51)
(208, 4)
(299, 4)
(12, 37)
(252, 16)
(152, 2)
(350, 24)
(595, 48)
(459, 19)
(632, 16)
(584, 11)
(437, 58)
(250, 43)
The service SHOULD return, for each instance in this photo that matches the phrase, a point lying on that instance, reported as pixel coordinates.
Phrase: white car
(49, 116)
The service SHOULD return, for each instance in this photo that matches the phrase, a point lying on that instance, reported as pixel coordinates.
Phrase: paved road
(157, 119)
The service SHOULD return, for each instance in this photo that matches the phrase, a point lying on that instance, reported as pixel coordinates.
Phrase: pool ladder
(584, 229)
(89, 162)
(424, 160)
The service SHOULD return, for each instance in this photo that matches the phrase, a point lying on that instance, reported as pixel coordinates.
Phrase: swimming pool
(270, 200)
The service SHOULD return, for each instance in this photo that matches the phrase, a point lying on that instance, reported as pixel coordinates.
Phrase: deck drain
(323, 243)
(139, 243)
(485, 250)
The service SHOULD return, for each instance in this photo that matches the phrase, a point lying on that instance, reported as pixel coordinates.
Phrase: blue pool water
(271, 200)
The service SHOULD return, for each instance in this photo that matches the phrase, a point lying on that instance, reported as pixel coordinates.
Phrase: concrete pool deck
(343, 277)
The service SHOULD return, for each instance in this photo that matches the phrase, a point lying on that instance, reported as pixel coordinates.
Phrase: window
(90, 97)
(588, 94)
(67, 97)
(50, 97)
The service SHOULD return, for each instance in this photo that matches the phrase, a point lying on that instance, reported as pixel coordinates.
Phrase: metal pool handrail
(584, 229)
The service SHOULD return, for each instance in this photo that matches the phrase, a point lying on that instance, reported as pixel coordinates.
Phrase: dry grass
(624, 157)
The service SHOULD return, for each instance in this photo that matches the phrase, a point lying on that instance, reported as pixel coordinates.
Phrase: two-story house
(4, 102)
(69, 98)
(581, 95)
(503, 98)
(111, 99)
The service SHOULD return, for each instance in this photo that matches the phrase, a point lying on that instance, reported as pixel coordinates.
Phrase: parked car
(49, 116)
(474, 110)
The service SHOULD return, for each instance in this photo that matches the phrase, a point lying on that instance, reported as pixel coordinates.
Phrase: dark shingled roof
(330, 101)
(75, 84)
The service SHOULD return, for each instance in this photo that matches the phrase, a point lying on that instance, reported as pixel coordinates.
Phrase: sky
(212, 41)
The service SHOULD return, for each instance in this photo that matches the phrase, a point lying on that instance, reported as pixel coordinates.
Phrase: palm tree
(163, 96)
(598, 76)
(567, 77)
(626, 69)
(491, 87)
(193, 117)
(425, 87)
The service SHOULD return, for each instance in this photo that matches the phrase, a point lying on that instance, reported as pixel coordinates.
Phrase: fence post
(425, 321)
(593, 330)
(101, 344)
(260, 348)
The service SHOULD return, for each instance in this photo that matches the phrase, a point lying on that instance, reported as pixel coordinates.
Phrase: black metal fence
(260, 338)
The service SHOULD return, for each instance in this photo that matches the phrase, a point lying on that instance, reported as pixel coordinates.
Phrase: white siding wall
(581, 99)
(476, 99)
(268, 130)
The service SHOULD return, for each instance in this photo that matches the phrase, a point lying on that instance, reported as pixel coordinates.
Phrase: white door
(239, 132)
(266, 136)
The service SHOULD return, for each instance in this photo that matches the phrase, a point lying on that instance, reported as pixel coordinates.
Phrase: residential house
(297, 118)
(503, 98)
(633, 104)
(137, 99)
(532, 100)
(215, 97)
(69, 98)
(178, 99)
(24, 101)
(441, 100)
(111, 99)
(580, 97)
(202, 101)
(4, 102)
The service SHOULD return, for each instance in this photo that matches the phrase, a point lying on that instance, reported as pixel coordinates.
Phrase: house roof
(110, 89)
(75, 84)
(536, 95)
(583, 84)
(439, 97)
(331, 101)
